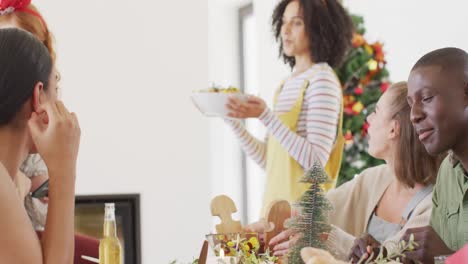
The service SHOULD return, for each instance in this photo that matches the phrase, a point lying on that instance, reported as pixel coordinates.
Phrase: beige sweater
(354, 203)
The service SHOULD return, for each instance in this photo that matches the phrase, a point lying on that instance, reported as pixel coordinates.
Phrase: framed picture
(89, 220)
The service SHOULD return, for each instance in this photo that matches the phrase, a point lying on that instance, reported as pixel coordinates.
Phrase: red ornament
(348, 136)
(349, 110)
(384, 86)
(365, 127)
(349, 100)
(379, 55)
(358, 90)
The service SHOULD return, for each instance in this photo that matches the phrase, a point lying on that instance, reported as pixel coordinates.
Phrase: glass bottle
(109, 246)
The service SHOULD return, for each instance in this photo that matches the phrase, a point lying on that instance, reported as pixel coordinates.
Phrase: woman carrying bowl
(304, 126)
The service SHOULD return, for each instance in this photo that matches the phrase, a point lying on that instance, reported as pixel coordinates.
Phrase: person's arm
(429, 242)
(17, 236)
(57, 141)
(23, 185)
(343, 215)
(323, 101)
(58, 239)
(253, 147)
(340, 242)
(365, 248)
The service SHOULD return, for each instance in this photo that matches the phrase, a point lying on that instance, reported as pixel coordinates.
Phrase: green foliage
(358, 22)
(396, 256)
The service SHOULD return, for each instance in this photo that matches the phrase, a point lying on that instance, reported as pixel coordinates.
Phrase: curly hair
(328, 27)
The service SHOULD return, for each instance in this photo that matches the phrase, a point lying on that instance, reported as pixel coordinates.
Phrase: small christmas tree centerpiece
(311, 219)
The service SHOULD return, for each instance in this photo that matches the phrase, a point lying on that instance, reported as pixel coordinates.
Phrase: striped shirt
(318, 120)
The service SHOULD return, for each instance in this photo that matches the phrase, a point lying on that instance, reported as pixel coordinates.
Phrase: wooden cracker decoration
(223, 207)
(278, 212)
(203, 253)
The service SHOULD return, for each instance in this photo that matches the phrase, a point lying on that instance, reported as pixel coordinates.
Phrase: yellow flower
(372, 64)
(357, 107)
(369, 49)
(254, 242)
(245, 247)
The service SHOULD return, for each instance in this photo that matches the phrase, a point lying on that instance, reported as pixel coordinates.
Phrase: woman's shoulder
(375, 174)
(322, 74)
(322, 70)
(425, 205)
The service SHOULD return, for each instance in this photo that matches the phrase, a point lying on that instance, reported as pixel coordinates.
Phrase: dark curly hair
(328, 28)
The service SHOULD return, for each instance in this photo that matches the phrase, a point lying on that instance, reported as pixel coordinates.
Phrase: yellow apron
(284, 172)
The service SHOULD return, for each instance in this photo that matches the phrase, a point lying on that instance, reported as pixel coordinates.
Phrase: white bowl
(214, 104)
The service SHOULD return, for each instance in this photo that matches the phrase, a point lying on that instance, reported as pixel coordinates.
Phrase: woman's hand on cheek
(56, 138)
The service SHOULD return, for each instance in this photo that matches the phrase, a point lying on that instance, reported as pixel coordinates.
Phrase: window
(253, 177)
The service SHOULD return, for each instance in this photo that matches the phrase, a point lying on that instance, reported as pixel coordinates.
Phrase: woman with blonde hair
(385, 200)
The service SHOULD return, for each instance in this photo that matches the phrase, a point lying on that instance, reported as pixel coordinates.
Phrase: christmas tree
(364, 79)
(311, 219)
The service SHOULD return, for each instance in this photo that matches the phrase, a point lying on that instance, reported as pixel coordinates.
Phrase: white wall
(128, 70)
(410, 29)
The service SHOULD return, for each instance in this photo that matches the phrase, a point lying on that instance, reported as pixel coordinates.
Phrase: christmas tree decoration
(311, 219)
(364, 78)
(358, 90)
(357, 108)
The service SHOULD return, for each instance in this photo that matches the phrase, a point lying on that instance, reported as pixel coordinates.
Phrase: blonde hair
(412, 163)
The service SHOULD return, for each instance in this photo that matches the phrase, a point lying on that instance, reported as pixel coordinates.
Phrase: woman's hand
(252, 108)
(261, 226)
(57, 138)
(284, 241)
(364, 247)
(56, 135)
